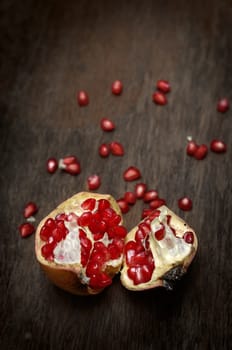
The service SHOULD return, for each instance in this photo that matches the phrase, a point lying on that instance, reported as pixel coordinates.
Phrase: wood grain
(48, 51)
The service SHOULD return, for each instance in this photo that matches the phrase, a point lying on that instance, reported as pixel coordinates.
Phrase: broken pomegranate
(158, 251)
(80, 243)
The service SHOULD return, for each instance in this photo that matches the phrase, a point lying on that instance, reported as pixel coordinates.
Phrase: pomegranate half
(80, 244)
(157, 251)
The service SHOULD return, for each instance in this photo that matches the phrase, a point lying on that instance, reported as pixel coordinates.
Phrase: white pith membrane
(168, 253)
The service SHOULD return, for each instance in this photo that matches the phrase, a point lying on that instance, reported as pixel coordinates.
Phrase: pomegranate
(80, 244)
(157, 251)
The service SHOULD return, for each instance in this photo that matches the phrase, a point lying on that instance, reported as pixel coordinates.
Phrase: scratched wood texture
(48, 51)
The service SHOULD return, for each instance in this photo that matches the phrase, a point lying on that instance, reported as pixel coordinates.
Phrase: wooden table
(49, 50)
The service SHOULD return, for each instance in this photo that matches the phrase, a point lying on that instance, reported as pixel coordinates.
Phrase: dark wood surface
(48, 51)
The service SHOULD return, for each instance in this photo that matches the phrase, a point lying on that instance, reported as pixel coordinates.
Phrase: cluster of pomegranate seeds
(27, 228)
(200, 151)
(159, 96)
(93, 182)
(82, 98)
(223, 105)
(70, 165)
(139, 257)
(64, 232)
(185, 203)
(107, 124)
(117, 87)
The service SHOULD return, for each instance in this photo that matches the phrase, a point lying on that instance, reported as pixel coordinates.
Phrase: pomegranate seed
(132, 173)
(130, 197)
(47, 250)
(117, 87)
(30, 209)
(191, 148)
(82, 98)
(94, 182)
(189, 237)
(159, 234)
(163, 86)
(51, 165)
(146, 212)
(218, 146)
(104, 150)
(116, 148)
(156, 203)
(150, 195)
(159, 98)
(185, 203)
(70, 164)
(45, 233)
(223, 105)
(26, 229)
(88, 204)
(107, 124)
(201, 152)
(140, 190)
(103, 204)
(123, 205)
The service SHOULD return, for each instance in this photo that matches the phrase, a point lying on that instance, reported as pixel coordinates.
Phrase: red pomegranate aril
(85, 219)
(71, 217)
(159, 98)
(159, 234)
(50, 223)
(146, 212)
(201, 152)
(107, 124)
(26, 229)
(132, 173)
(156, 203)
(185, 203)
(61, 226)
(45, 233)
(94, 182)
(154, 214)
(117, 87)
(218, 146)
(189, 237)
(51, 165)
(58, 234)
(223, 105)
(103, 204)
(73, 169)
(163, 86)
(30, 209)
(88, 204)
(140, 189)
(119, 231)
(61, 216)
(114, 251)
(150, 195)
(130, 197)
(47, 250)
(116, 148)
(104, 150)
(82, 98)
(103, 280)
(123, 205)
(191, 148)
(140, 274)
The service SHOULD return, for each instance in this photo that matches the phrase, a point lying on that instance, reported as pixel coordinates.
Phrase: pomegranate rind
(69, 276)
(161, 271)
